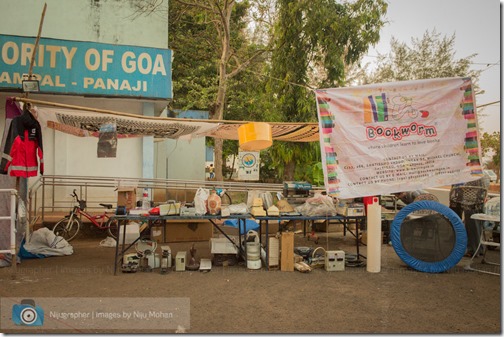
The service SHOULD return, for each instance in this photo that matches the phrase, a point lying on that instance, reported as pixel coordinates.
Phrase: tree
(432, 56)
(491, 143)
(313, 42)
(193, 45)
(226, 18)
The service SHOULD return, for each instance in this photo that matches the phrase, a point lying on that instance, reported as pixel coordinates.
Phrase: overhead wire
(488, 64)
(487, 104)
(279, 79)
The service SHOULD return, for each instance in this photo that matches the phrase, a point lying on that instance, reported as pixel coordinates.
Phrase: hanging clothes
(22, 147)
(12, 110)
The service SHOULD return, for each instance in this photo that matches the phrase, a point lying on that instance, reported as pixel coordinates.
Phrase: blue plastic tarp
(249, 224)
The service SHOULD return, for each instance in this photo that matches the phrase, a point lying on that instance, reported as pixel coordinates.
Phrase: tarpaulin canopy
(83, 122)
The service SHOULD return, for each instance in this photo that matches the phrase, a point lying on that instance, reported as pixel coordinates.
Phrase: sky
(477, 28)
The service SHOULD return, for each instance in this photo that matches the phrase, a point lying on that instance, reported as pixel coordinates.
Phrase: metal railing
(51, 193)
(12, 218)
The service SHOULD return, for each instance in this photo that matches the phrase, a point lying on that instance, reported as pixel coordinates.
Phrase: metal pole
(12, 218)
(13, 234)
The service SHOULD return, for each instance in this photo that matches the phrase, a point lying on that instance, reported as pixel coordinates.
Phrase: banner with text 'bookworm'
(398, 136)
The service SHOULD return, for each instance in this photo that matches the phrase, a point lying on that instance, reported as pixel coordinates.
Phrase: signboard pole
(30, 72)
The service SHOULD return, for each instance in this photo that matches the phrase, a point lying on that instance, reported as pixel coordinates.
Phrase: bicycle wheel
(112, 225)
(67, 229)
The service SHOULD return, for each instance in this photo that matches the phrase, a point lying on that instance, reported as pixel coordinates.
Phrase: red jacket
(23, 146)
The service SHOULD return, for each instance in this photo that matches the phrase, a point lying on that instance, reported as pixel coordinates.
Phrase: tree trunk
(289, 171)
(232, 168)
(218, 158)
(219, 112)
(220, 100)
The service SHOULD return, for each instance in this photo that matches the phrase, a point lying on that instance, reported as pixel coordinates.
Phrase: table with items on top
(161, 221)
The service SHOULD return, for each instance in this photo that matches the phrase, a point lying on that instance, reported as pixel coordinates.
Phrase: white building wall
(106, 21)
(66, 154)
(186, 160)
(113, 22)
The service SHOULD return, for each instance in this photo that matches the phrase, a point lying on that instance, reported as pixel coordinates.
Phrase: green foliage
(268, 171)
(194, 39)
(246, 102)
(193, 43)
(314, 40)
(492, 143)
(432, 56)
(317, 174)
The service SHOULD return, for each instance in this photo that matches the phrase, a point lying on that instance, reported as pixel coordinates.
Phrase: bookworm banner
(401, 136)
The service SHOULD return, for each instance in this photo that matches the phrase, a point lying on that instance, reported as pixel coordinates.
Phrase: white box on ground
(334, 260)
(168, 249)
(223, 246)
(180, 261)
(154, 260)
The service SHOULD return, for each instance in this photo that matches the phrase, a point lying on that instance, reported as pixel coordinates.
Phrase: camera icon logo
(27, 313)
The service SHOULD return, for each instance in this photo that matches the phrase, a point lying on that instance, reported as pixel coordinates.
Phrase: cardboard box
(294, 225)
(126, 196)
(323, 227)
(157, 234)
(273, 227)
(231, 231)
(188, 230)
(350, 210)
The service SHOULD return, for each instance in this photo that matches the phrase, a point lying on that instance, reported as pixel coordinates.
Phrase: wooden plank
(287, 252)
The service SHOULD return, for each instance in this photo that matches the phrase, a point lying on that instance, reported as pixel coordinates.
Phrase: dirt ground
(237, 300)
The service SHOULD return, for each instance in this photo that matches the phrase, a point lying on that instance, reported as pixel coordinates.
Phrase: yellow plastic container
(255, 136)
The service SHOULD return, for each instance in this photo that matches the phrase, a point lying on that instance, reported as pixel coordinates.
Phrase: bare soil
(234, 299)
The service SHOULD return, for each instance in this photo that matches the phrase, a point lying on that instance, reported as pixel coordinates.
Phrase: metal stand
(480, 219)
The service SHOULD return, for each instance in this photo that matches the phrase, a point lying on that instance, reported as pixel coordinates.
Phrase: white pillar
(374, 239)
(148, 146)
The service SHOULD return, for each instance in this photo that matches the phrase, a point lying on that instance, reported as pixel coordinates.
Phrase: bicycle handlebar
(75, 195)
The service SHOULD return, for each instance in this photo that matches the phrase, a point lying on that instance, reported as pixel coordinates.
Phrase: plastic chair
(487, 222)
(468, 196)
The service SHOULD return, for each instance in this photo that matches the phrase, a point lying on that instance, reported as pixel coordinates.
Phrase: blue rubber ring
(458, 250)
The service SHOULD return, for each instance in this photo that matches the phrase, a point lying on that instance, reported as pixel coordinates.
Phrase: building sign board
(248, 165)
(86, 68)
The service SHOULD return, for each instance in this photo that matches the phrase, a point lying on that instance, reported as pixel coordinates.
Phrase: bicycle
(69, 226)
